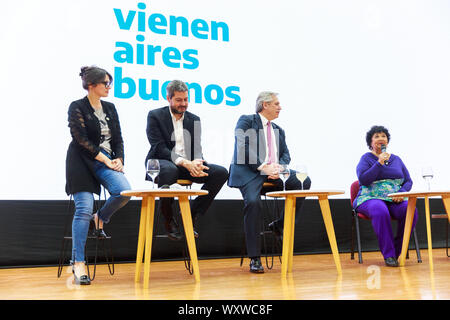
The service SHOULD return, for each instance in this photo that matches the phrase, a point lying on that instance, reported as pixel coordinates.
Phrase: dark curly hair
(372, 131)
(93, 75)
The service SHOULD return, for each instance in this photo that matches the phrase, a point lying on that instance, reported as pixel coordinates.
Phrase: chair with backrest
(67, 241)
(354, 189)
(269, 214)
(445, 217)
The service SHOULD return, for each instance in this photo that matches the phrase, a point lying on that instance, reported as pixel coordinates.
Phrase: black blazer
(85, 145)
(160, 134)
(250, 149)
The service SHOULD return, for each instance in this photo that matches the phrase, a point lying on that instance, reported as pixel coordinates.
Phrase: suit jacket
(250, 149)
(160, 134)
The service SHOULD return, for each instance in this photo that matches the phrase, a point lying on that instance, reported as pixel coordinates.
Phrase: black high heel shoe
(99, 233)
(83, 280)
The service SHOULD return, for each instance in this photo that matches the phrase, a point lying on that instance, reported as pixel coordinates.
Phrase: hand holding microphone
(384, 156)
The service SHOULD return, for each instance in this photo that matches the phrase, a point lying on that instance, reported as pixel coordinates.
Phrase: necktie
(269, 144)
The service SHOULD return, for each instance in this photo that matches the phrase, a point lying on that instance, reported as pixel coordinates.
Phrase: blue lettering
(126, 88)
(124, 24)
(151, 50)
(215, 31)
(154, 95)
(141, 17)
(197, 91)
(140, 50)
(119, 81)
(208, 94)
(229, 92)
(125, 55)
(184, 26)
(164, 89)
(158, 24)
(155, 20)
(198, 26)
(170, 54)
(189, 56)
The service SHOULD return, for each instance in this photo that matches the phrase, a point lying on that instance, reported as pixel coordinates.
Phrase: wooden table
(289, 223)
(412, 199)
(146, 226)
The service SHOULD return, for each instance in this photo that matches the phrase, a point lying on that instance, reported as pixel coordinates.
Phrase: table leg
(287, 235)
(291, 240)
(430, 243)
(150, 208)
(189, 233)
(446, 201)
(326, 214)
(141, 239)
(407, 233)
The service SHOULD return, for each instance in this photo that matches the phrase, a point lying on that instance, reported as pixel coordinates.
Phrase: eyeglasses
(107, 84)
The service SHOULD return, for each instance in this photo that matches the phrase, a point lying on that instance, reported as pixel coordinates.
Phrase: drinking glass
(284, 173)
(153, 169)
(301, 173)
(427, 174)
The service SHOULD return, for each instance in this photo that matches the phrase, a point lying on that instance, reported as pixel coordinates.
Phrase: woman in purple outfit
(379, 174)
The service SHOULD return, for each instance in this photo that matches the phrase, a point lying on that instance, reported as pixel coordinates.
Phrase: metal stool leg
(353, 231)
(358, 239)
(64, 240)
(243, 251)
(186, 258)
(416, 244)
(447, 239)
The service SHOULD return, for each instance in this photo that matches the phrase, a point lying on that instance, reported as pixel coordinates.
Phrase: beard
(175, 110)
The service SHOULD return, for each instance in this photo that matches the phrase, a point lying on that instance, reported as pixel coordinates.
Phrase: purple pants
(381, 212)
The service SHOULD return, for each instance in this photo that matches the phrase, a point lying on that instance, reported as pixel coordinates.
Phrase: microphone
(383, 149)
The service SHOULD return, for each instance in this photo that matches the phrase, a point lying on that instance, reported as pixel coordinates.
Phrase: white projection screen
(339, 68)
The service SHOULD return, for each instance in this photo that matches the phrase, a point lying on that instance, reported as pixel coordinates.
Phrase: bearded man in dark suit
(175, 140)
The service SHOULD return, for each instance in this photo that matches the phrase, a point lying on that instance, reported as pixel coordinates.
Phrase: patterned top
(105, 138)
(378, 190)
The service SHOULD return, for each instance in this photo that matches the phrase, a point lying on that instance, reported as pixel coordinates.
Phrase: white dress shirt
(179, 139)
(274, 145)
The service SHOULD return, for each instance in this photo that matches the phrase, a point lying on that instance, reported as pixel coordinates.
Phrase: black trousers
(251, 192)
(169, 174)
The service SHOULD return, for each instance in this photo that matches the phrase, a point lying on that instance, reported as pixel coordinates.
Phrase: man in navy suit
(260, 147)
(175, 140)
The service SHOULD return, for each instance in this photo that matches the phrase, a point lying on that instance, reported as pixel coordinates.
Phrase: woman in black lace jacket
(95, 157)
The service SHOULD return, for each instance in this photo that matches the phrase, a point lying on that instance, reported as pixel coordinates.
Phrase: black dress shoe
(391, 262)
(83, 280)
(256, 266)
(276, 229)
(172, 230)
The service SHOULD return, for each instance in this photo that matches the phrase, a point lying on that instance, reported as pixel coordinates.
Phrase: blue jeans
(115, 182)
